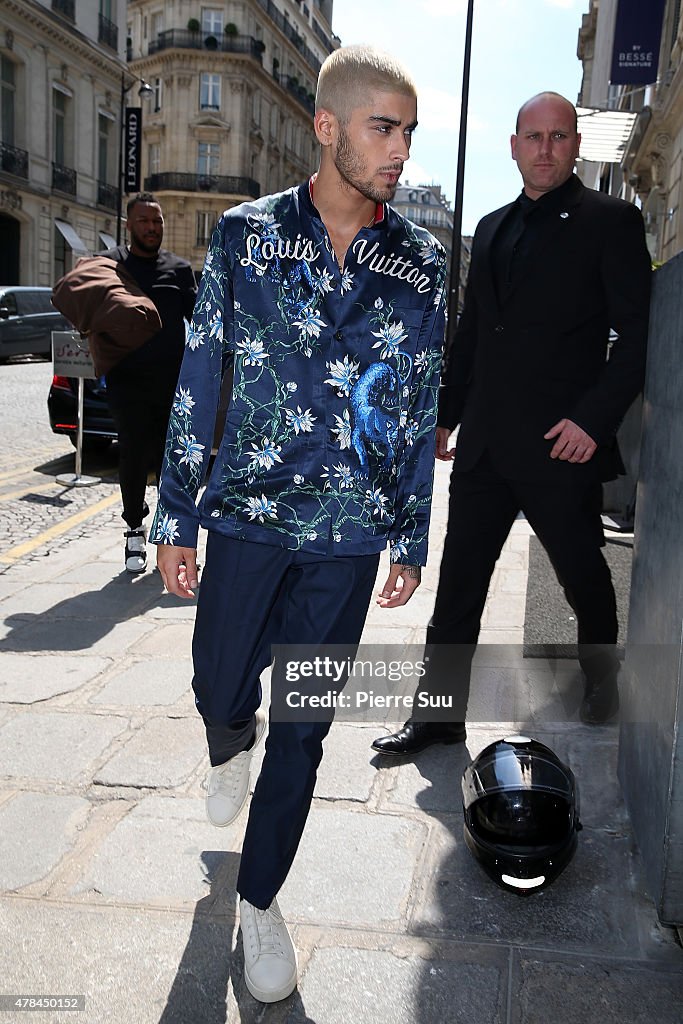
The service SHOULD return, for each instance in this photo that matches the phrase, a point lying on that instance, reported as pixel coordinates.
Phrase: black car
(62, 404)
(27, 320)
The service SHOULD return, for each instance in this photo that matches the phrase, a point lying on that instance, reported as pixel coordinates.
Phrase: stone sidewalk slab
(56, 746)
(364, 879)
(27, 679)
(165, 853)
(162, 754)
(36, 831)
(148, 683)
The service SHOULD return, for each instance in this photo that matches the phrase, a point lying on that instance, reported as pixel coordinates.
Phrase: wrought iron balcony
(296, 90)
(176, 181)
(13, 160)
(64, 179)
(108, 33)
(65, 7)
(278, 18)
(107, 195)
(183, 39)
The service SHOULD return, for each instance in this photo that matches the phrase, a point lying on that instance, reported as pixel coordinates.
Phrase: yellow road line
(25, 467)
(12, 554)
(28, 489)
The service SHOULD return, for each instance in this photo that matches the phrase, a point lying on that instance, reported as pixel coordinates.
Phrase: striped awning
(604, 133)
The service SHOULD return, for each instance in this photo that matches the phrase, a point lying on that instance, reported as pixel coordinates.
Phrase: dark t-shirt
(169, 282)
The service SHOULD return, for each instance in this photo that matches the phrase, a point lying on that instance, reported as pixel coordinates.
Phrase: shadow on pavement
(209, 984)
(79, 622)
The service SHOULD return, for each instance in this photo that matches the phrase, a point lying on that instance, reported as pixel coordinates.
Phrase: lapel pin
(564, 215)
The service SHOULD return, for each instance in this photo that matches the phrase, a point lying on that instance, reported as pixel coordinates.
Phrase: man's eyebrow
(385, 119)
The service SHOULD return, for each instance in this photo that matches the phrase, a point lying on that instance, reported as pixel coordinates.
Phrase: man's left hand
(573, 444)
(392, 595)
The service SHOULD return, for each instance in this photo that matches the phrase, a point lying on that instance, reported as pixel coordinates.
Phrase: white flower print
(194, 337)
(267, 455)
(346, 282)
(411, 433)
(261, 508)
(291, 386)
(167, 530)
(336, 537)
(298, 479)
(253, 352)
(420, 361)
(344, 475)
(343, 375)
(216, 326)
(310, 322)
(324, 281)
(183, 402)
(378, 502)
(379, 304)
(398, 549)
(390, 335)
(343, 429)
(190, 451)
(301, 421)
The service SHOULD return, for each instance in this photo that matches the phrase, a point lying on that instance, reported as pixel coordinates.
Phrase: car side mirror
(4, 313)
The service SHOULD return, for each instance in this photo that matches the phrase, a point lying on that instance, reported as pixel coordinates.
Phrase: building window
(103, 126)
(7, 87)
(158, 90)
(212, 22)
(256, 108)
(206, 221)
(154, 157)
(274, 120)
(208, 158)
(59, 256)
(210, 92)
(61, 110)
(157, 24)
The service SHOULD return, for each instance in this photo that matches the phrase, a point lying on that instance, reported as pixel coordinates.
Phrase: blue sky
(519, 47)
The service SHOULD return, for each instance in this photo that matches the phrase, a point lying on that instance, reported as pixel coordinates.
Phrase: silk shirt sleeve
(415, 469)
(191, 424)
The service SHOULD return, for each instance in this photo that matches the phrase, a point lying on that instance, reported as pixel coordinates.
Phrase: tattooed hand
(392, 595)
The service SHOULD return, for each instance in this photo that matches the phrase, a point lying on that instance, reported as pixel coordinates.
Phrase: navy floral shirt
(328, 442)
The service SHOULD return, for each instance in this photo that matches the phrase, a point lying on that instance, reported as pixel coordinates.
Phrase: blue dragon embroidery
(374, 424)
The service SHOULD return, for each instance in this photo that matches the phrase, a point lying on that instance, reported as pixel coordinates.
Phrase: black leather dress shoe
(600, 702)
(416, 736)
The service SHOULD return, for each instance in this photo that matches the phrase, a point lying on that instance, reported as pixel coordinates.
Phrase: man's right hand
(178, 568)
(443, 452)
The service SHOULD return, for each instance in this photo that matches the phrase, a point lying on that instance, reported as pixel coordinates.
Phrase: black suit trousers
(566, 518)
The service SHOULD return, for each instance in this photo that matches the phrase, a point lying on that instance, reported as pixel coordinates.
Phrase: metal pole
(79, 432)
(119, 203)
(454, 280)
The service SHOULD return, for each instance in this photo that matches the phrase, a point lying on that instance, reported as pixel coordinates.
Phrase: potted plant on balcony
(211, 43)
(231, 29)
(193, 25)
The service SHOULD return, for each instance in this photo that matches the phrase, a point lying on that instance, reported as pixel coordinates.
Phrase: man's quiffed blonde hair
(351, 73)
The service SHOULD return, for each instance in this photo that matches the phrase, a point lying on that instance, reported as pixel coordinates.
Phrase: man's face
(546, 145)
(146, 228)
(371, 148)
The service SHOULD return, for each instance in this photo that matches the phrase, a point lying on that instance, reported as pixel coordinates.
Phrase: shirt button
(498, 328)
(338, 335)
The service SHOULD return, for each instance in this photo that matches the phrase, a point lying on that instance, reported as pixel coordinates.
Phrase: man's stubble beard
(351, 167)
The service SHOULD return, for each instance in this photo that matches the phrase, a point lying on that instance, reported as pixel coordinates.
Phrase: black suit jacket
(521, 363)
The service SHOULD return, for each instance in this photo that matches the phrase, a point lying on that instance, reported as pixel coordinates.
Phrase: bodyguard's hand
(178, 568)
(573, 444)
(443, 452)
(392, 595)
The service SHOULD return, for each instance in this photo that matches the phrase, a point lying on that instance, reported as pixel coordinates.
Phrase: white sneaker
(227, 785)
(136, 552)
(269, 955)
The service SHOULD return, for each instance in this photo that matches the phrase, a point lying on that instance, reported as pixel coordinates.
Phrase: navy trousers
(252, 596)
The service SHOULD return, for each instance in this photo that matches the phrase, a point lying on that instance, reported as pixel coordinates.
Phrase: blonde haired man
(330, 306)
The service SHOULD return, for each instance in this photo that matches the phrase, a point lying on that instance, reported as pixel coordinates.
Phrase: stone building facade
(232, 106)
(61, 63)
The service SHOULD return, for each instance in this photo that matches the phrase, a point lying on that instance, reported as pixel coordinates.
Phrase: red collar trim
(379, 208)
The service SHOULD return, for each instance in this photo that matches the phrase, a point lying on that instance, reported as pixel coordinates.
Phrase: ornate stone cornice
(45, 27)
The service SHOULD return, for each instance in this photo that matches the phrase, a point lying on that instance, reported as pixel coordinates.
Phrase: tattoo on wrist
(413, 572)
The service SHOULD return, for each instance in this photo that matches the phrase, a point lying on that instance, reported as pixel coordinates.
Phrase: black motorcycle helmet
(521, 813)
